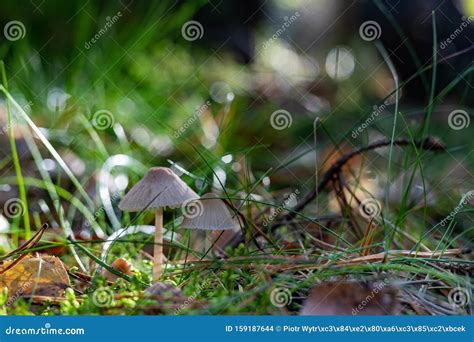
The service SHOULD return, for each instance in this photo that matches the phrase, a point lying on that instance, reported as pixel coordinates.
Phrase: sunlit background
(259, 97)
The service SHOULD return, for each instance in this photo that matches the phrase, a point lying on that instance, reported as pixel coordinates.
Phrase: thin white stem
(316, 164)
(158, 246)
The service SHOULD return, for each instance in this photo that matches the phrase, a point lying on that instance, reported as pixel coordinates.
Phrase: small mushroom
(121, 265)
(210, 213)
(159, 188)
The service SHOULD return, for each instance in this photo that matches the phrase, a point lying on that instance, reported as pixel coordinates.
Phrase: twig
(53, 300)
(296, 262)
(429, 143)
(31, 243)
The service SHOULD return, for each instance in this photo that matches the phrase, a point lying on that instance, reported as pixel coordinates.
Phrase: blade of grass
(405, 40)
(50, 147)
(103, 264)
(16, 161)
(64, 194)
(390, 65)
(51, 189)
(429, 112)
(95, 137)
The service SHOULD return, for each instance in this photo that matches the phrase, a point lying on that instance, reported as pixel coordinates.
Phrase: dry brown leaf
(43, 275)
(351, 298)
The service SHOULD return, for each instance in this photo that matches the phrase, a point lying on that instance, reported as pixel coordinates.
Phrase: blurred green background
(208, 99)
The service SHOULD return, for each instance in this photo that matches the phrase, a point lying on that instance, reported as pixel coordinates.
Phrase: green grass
(152, 80)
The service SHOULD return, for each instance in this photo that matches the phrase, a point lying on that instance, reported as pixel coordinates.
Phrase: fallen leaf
(351, 298)
(43, 275)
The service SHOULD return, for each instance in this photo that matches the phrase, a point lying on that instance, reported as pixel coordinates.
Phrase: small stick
(397, 253)
(368, 237)
(426, 144)
(37, 299)
(31, 243)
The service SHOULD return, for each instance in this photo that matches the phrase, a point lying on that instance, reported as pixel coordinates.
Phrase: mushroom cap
(159, 188)
(210, 213)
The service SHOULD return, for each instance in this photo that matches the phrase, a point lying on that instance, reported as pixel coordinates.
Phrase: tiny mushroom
(120, 265)
(211, 214)
(159, 188)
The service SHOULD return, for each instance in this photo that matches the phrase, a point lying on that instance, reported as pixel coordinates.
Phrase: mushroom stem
(158, 246)
(207, 242)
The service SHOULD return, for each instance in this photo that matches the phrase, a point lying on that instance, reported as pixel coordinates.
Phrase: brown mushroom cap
(212, 215)
(159, 188)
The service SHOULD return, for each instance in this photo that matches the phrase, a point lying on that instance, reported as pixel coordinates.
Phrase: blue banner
(236, 328)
